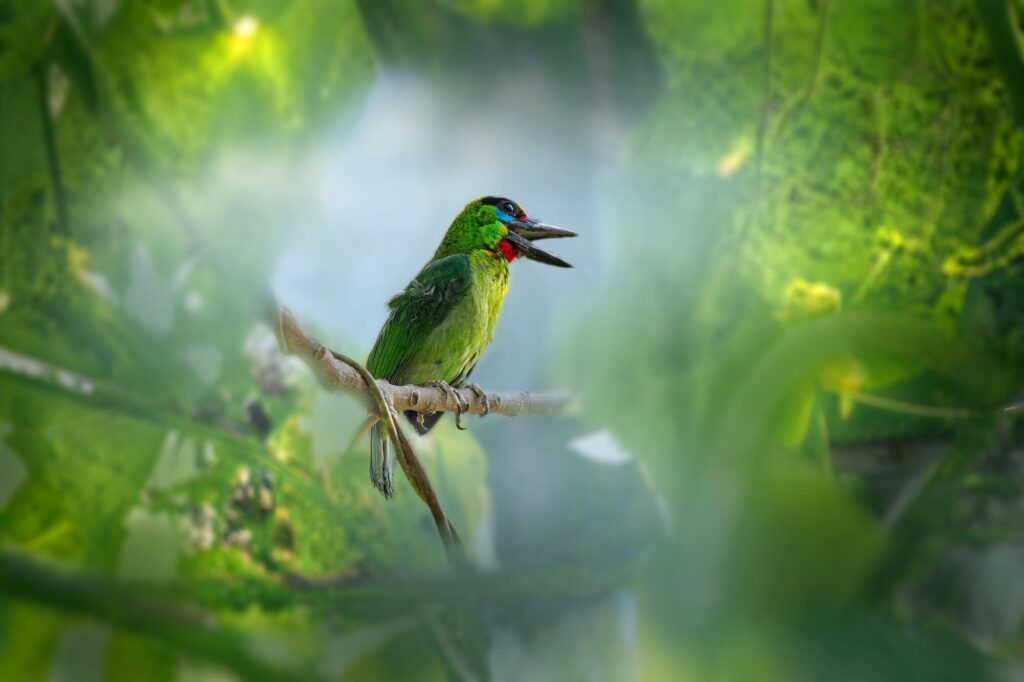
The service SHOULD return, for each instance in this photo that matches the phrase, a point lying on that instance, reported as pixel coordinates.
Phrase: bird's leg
(460, 408)
(482, 394)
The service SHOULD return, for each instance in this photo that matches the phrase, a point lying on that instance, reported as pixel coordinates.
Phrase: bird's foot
(461, 406)
(482, 394)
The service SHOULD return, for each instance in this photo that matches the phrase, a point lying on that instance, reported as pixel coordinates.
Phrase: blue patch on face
(503, 217)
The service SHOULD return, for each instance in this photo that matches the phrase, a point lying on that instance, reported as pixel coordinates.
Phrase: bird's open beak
(522, 234)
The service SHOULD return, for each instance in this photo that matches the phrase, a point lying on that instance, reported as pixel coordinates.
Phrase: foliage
(836, 161)
(809, 324)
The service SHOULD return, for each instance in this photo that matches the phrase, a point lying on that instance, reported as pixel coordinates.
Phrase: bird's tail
(381, 463)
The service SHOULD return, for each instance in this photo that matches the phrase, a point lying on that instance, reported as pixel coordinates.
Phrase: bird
(440, 324)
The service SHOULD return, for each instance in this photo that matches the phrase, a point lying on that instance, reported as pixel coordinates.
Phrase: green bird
(440, 324)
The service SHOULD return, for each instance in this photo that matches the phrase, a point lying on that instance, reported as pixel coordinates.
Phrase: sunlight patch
(205, 360)
(150, 552)
(176, 463)
(601, 447)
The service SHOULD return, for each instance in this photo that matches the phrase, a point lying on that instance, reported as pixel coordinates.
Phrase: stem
(762, 125)
(933, 411)
(414, 471)
(179, 624)
(52, 157)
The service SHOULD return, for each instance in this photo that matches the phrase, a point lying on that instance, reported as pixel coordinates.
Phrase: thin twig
(818, 50)
(414, 471)
(762, 125)
(60, 198)
(904, 407)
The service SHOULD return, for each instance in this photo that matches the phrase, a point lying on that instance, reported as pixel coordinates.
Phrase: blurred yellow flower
(804, 300)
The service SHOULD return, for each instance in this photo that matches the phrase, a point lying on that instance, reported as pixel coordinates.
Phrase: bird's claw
(482, 394)
(460, 405)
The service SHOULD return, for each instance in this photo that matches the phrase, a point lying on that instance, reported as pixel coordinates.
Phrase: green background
(795, 332)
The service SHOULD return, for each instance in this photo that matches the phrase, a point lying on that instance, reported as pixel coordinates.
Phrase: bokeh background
(795, 333)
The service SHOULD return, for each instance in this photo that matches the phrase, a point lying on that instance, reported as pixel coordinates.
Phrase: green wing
(416, 312)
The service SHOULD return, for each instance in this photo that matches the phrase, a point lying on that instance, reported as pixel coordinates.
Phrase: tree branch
(132, 608)
(60, 198)
(411, 466)
(762, 128)
(337, 371)
(339, 376)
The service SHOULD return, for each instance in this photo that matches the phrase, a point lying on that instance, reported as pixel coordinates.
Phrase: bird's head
(502, 228)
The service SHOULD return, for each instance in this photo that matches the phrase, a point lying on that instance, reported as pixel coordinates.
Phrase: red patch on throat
(507, 250)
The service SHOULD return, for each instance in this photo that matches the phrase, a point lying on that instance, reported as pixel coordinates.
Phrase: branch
(134, 609)
(60, 198)
(762, 127)
(411, 466)
(337, 375)
(382, 399)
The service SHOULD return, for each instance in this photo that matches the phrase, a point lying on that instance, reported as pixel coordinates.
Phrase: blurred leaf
(24, 28)
(792, 540)
(795, 414)
(804, 350)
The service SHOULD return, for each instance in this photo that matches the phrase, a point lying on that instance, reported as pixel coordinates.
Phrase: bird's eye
(509, 208)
